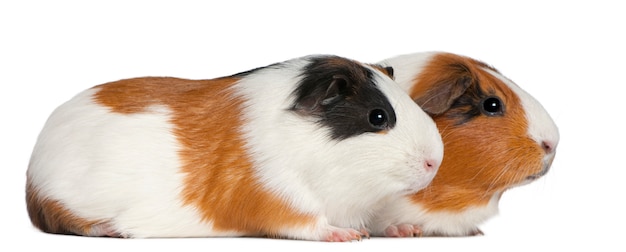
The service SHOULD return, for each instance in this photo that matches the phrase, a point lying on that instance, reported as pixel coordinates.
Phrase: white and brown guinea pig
(496, 136)
(303, 149)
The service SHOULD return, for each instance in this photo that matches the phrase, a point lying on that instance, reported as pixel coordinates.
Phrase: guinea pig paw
(403, 230)
(344, 235)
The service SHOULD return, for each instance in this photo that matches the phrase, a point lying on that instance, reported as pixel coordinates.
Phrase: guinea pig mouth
(547, 163)
(543, 171)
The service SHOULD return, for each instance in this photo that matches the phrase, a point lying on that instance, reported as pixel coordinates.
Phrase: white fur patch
(407, 67)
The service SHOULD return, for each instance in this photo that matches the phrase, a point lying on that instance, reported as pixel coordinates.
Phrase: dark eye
(492, 106)
(378, 118)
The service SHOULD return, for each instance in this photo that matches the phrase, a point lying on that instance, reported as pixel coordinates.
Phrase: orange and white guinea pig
(496, 136)
(303, 149)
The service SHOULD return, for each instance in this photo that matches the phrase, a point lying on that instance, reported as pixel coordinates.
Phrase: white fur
(124, 168)
(404, 211)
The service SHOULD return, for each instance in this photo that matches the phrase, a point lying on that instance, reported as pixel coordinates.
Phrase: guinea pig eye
(378, 118)
(492, 106)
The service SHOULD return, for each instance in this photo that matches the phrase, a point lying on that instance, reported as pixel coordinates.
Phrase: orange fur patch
(220, 180)
(484, 155)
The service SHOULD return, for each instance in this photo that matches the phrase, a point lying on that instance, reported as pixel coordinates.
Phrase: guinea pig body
(303, 149)
(496, 136)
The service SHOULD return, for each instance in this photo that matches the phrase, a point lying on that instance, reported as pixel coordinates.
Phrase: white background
(570, 55)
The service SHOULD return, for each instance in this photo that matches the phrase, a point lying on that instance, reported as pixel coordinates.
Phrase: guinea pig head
(376, 132)
(496, 136)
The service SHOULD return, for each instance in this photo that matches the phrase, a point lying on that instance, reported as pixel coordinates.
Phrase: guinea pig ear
(389, 72)
(441, 95)
(338, 87)
(312, 103)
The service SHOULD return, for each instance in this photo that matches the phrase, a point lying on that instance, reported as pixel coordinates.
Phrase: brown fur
(483, 155)
(220, 181)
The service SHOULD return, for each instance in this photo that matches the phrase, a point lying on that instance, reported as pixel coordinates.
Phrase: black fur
(340, 94)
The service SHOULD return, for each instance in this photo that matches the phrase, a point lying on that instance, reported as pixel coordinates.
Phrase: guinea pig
(496, 136)
(302, 149)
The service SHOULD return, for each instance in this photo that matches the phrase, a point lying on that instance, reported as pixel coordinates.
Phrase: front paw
(403, 230)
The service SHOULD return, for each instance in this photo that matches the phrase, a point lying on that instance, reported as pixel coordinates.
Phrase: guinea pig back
(285, 150)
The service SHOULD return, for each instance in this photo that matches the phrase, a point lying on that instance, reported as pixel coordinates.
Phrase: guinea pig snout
(549, 152)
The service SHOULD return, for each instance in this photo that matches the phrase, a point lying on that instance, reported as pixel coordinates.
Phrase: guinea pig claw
(403, 230)
(365, 233)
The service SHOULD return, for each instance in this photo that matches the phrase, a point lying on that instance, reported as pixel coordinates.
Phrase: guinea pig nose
(431, 165)
(547, 146)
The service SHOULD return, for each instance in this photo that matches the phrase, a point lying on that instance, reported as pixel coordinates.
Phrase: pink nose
(547, 146)
(431, 165)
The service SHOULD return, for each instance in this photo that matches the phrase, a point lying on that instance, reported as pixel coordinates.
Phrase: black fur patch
(341, 94)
